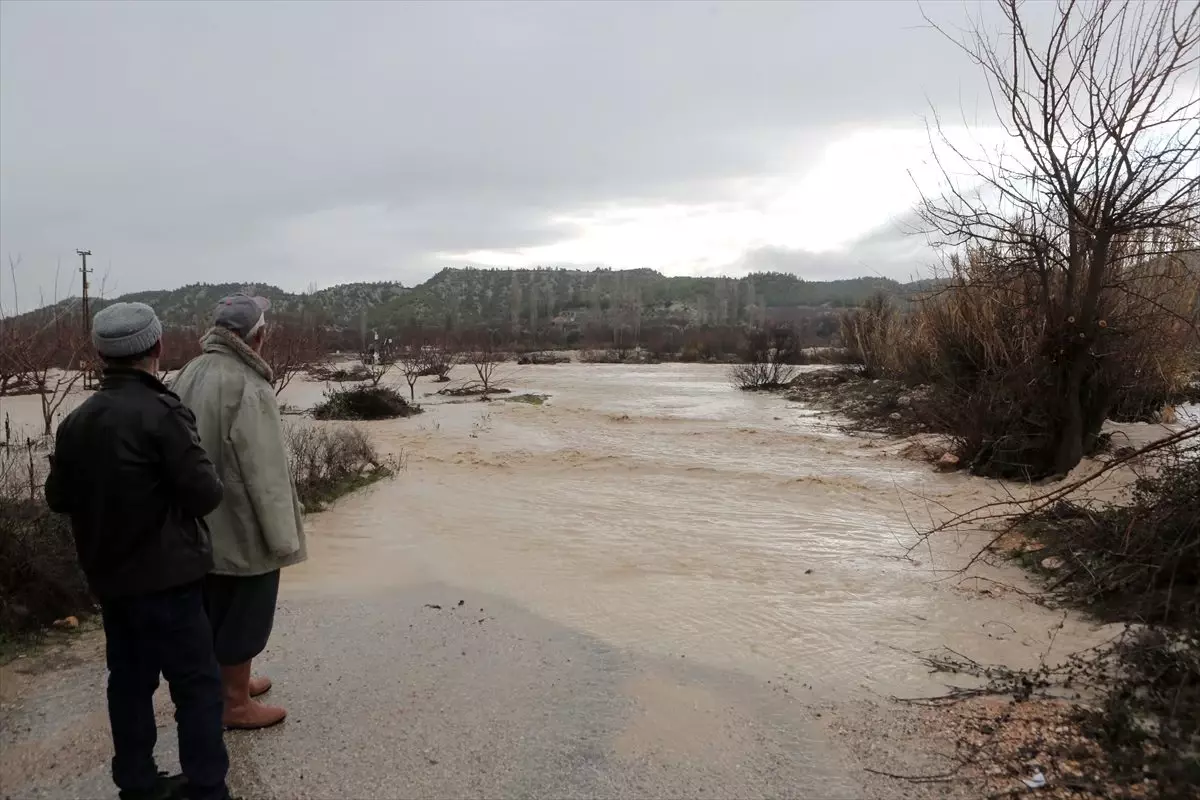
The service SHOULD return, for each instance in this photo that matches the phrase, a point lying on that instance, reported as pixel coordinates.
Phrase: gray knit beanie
(125, 329)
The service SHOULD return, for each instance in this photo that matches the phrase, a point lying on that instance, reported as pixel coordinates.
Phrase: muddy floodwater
(645, 584)
(658, 509)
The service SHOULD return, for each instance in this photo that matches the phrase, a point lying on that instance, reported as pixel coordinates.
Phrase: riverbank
(1113, 541)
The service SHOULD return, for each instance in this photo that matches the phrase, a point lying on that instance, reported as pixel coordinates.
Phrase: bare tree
(293, 344)
(377, 361)
(13, 376)
(485, 358)
(1101, 190)
(54, 359)
(414, 362)
(14, 342)
(179, 346)
(48, 350)
(442, 359)
(769, 356)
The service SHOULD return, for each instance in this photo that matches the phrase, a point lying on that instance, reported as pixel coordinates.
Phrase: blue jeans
(165, 632)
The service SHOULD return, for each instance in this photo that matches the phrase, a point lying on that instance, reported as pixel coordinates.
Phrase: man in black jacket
(129, 469)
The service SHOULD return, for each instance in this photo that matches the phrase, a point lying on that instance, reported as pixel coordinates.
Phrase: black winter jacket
(129, 469)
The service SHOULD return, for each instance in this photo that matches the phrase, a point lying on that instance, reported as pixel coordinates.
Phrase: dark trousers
(165, 632)
(241, 610)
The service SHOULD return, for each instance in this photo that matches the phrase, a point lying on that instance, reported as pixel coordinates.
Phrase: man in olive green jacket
(257, 529)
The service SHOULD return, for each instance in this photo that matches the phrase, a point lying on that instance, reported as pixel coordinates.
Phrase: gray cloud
(889, 251)
(301, 142)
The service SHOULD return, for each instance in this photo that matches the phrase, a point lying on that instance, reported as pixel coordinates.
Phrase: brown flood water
(660, 510)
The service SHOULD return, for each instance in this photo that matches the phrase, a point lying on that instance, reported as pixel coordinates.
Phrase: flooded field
(660, 510)
(647, 585)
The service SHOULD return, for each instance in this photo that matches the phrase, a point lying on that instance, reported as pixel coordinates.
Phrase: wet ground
(391, 698)
(669, 588)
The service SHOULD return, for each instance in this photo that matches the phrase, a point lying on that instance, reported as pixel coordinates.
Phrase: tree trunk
(1069, 450)
(47, 416)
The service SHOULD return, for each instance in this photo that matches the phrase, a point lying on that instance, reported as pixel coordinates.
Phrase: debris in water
(947, 463)
(461, 603)
(434, 606)
(808, 572)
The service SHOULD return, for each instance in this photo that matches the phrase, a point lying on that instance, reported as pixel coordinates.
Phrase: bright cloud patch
(860, 182)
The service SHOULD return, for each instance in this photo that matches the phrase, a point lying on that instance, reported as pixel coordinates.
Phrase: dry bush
(998, 365)
(770, 354)
(330, 374)
(40, 577)
(441, 360)
(376, 362)
(327, 463)
(870, 334)
(1138, 560)
(484, 356)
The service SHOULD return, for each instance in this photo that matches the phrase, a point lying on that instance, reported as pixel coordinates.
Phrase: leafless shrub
(414, 362)
(327, 463)
(442, 359)
(377, 361)
(331, 374)
(484, 356)
(770, 355)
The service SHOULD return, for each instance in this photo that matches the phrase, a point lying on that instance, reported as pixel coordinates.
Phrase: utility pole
(87, 317)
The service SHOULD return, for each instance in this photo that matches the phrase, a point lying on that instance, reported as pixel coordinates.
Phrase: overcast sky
(316, 143)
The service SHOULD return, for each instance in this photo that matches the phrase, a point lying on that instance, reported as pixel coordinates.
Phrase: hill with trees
(531, 299)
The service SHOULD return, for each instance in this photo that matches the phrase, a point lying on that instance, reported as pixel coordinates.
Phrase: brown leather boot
(259, 685)
(241, 712)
